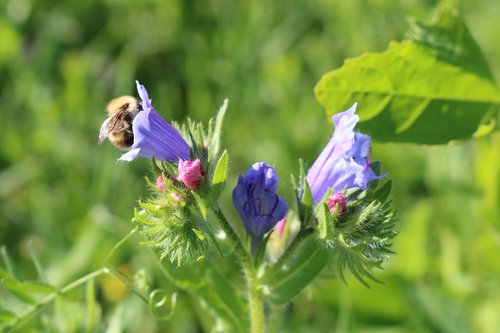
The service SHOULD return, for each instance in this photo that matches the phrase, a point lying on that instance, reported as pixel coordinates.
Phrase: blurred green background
(61, 61)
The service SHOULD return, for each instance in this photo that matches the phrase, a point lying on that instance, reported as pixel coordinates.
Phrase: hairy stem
(256, 300)
(246, 260)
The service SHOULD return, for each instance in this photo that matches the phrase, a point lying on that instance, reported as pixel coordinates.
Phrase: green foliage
(70, 197)
(175, 219)
(169, 226)
(220, 175)
(326, 222)
(433, 88)
(215, 131)
(205, 283)
(37, 295)
(363, 237)
(303, 198)
(296, 272)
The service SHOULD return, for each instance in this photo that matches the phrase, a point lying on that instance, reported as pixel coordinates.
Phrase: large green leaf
(432, 88)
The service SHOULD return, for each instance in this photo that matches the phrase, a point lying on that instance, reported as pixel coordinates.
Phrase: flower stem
(256, 300)
(246, 260)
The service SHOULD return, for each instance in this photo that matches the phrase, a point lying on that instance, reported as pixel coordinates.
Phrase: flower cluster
(191, 172)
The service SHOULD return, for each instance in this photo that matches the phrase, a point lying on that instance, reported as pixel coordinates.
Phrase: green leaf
(382, 193)
(202, 206)
(432, 88)
(220, 175)
(261, 251)
(7, 261)
(5, 275)
(306, 206)
(17, 289)
(326, 226)
(6, 316)
(215, 130)
(38, 288)
(297, 273)
(36, 262)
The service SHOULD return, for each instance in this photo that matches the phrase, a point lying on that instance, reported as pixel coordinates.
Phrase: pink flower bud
(334, 200)
(280, 227)
(191, 173)
(160, 183)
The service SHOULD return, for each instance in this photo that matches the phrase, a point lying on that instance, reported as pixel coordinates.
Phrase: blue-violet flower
(256, 201)
(153, 136)
(344, 161)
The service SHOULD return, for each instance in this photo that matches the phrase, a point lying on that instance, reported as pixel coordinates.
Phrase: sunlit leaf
(215, 130)
(432, 88)
(220, 174)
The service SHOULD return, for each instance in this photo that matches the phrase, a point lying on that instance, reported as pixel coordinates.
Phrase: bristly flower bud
(191, 173)
(160, 183)
(334, 200)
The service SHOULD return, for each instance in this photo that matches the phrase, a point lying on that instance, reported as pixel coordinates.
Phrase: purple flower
(153, 136)
(344, 161)
(256, 201)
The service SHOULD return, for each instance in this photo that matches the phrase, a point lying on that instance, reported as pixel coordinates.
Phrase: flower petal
(153, 136)
(256, 201)
(343, 162)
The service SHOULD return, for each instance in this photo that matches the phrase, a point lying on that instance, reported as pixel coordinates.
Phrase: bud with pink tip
(280, 227)
(160, 183)
(191, 173)
(334, 200)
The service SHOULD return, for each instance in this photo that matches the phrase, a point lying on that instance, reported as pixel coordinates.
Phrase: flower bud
(256, 201)
(280, 227)
(334, 200)
(160, 183)
(191, 173)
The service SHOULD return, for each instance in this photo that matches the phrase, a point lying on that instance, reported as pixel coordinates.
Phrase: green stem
(290, 250)
(246, 260)
(256, 300)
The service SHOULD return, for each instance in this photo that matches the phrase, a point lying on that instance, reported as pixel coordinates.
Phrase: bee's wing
(103, 133)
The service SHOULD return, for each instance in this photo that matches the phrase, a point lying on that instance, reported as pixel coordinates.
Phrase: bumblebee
(118, 126)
